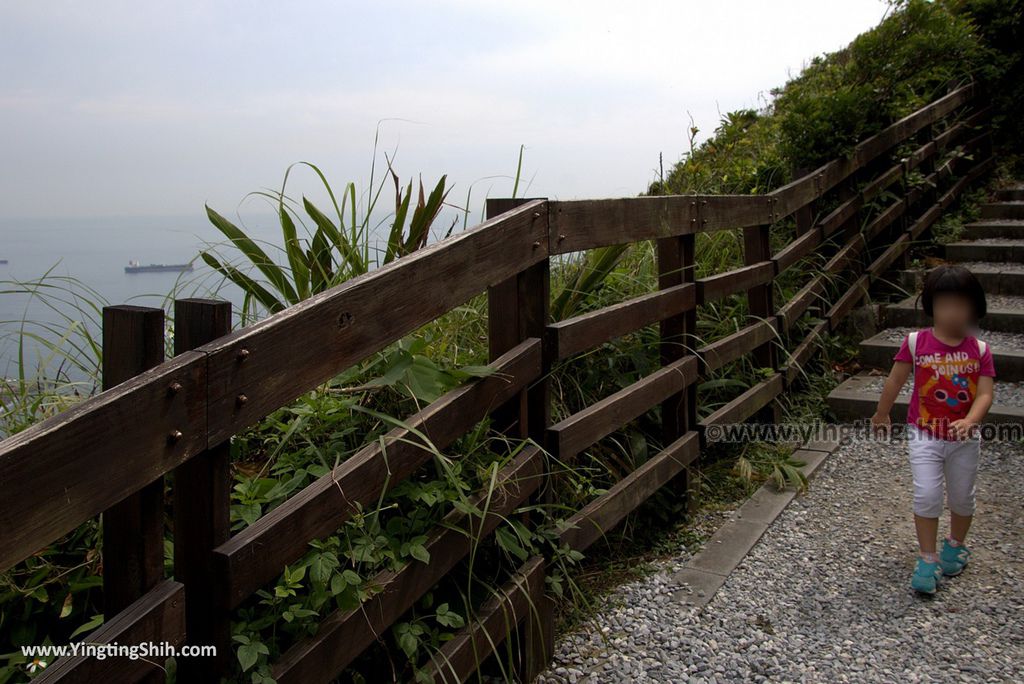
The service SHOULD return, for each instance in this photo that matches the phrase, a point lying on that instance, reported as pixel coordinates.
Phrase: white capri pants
(934, 460)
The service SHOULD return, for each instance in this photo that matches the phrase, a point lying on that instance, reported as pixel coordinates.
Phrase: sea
(86, 257)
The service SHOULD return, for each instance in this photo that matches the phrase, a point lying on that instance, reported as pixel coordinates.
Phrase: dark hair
(953, 279)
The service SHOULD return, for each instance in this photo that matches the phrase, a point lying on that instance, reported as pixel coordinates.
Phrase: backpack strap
(981, 347)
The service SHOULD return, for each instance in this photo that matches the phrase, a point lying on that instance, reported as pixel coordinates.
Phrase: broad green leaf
(247, 284)
(296, 256)
(254, 253)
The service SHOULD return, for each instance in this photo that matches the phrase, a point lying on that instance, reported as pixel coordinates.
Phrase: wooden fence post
(133, 529)
(517, 309)
(928, 166)
(804, 216)
(761, 303)
(677, 339)
(202, 495)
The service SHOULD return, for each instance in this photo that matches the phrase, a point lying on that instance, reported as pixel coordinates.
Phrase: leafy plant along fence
(156, 417)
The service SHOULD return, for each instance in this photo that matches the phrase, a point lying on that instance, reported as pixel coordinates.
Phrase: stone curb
(728, 546)
(877, 352)
(904, 315)
(855, 400)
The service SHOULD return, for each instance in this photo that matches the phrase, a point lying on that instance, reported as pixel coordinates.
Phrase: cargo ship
(135, 267)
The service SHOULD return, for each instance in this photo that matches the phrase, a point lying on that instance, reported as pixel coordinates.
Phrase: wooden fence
(155, 417)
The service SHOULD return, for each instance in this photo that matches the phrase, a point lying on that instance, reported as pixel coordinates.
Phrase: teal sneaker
(953, 558)
(926, 576)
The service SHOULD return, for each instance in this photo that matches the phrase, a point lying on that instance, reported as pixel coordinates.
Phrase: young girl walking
(952, 393)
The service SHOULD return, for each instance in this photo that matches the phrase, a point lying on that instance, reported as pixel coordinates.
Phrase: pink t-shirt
(945, 380)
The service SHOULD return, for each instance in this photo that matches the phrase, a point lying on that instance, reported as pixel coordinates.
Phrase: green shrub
(916, 54)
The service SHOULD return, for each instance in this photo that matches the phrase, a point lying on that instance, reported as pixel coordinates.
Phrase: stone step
(994, 228)
(1003, 210)
(1005, 314)
(989, 249)
(1007, 351)
(997, 277)
(1010, 194)
(857, 399)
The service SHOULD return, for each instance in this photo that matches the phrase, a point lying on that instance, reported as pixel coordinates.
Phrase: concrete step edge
(851, 400)
(877, 352)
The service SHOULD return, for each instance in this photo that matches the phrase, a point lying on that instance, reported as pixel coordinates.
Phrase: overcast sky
(146, 108)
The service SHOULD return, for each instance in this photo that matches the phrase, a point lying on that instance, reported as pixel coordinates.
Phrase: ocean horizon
(94, 252)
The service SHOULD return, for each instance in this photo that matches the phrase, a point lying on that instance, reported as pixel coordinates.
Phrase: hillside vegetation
(915, 55)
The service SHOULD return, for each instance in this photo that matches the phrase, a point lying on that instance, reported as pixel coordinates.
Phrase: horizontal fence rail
(107, 455)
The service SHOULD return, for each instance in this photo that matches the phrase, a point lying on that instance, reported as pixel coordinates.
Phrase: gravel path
(824, 596)
(1006, 393)
(1001, 266)
(995, 302)
(1001, 301)
(996, 241)
(1000, 341)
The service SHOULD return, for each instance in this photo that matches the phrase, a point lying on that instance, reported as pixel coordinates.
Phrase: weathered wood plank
(676, 338)
(584, 224)
(731, 347)
(814, 290)
(926, 220)
(605, 512)
(495, 620)
(979, 117)
(949, 136)
(580, 430)
(845, 256)
(277, 359)
(257, 554)
(803, 352)
(122, 439)
(835, 172)
(760, 297)
(845, 304)
(719, 212)
(886, 258)
(587, 331)
(838, 218)
(981, 168)
(797, 249)
(342, 636)
(202, 518)
(950, 195)
(156, 617)
(737, 280)
(920, 156)
(517, 309)
(807, 295)
(883, 181)
(747, 404)
(884, 219)
(798, 193)
(133, 528)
